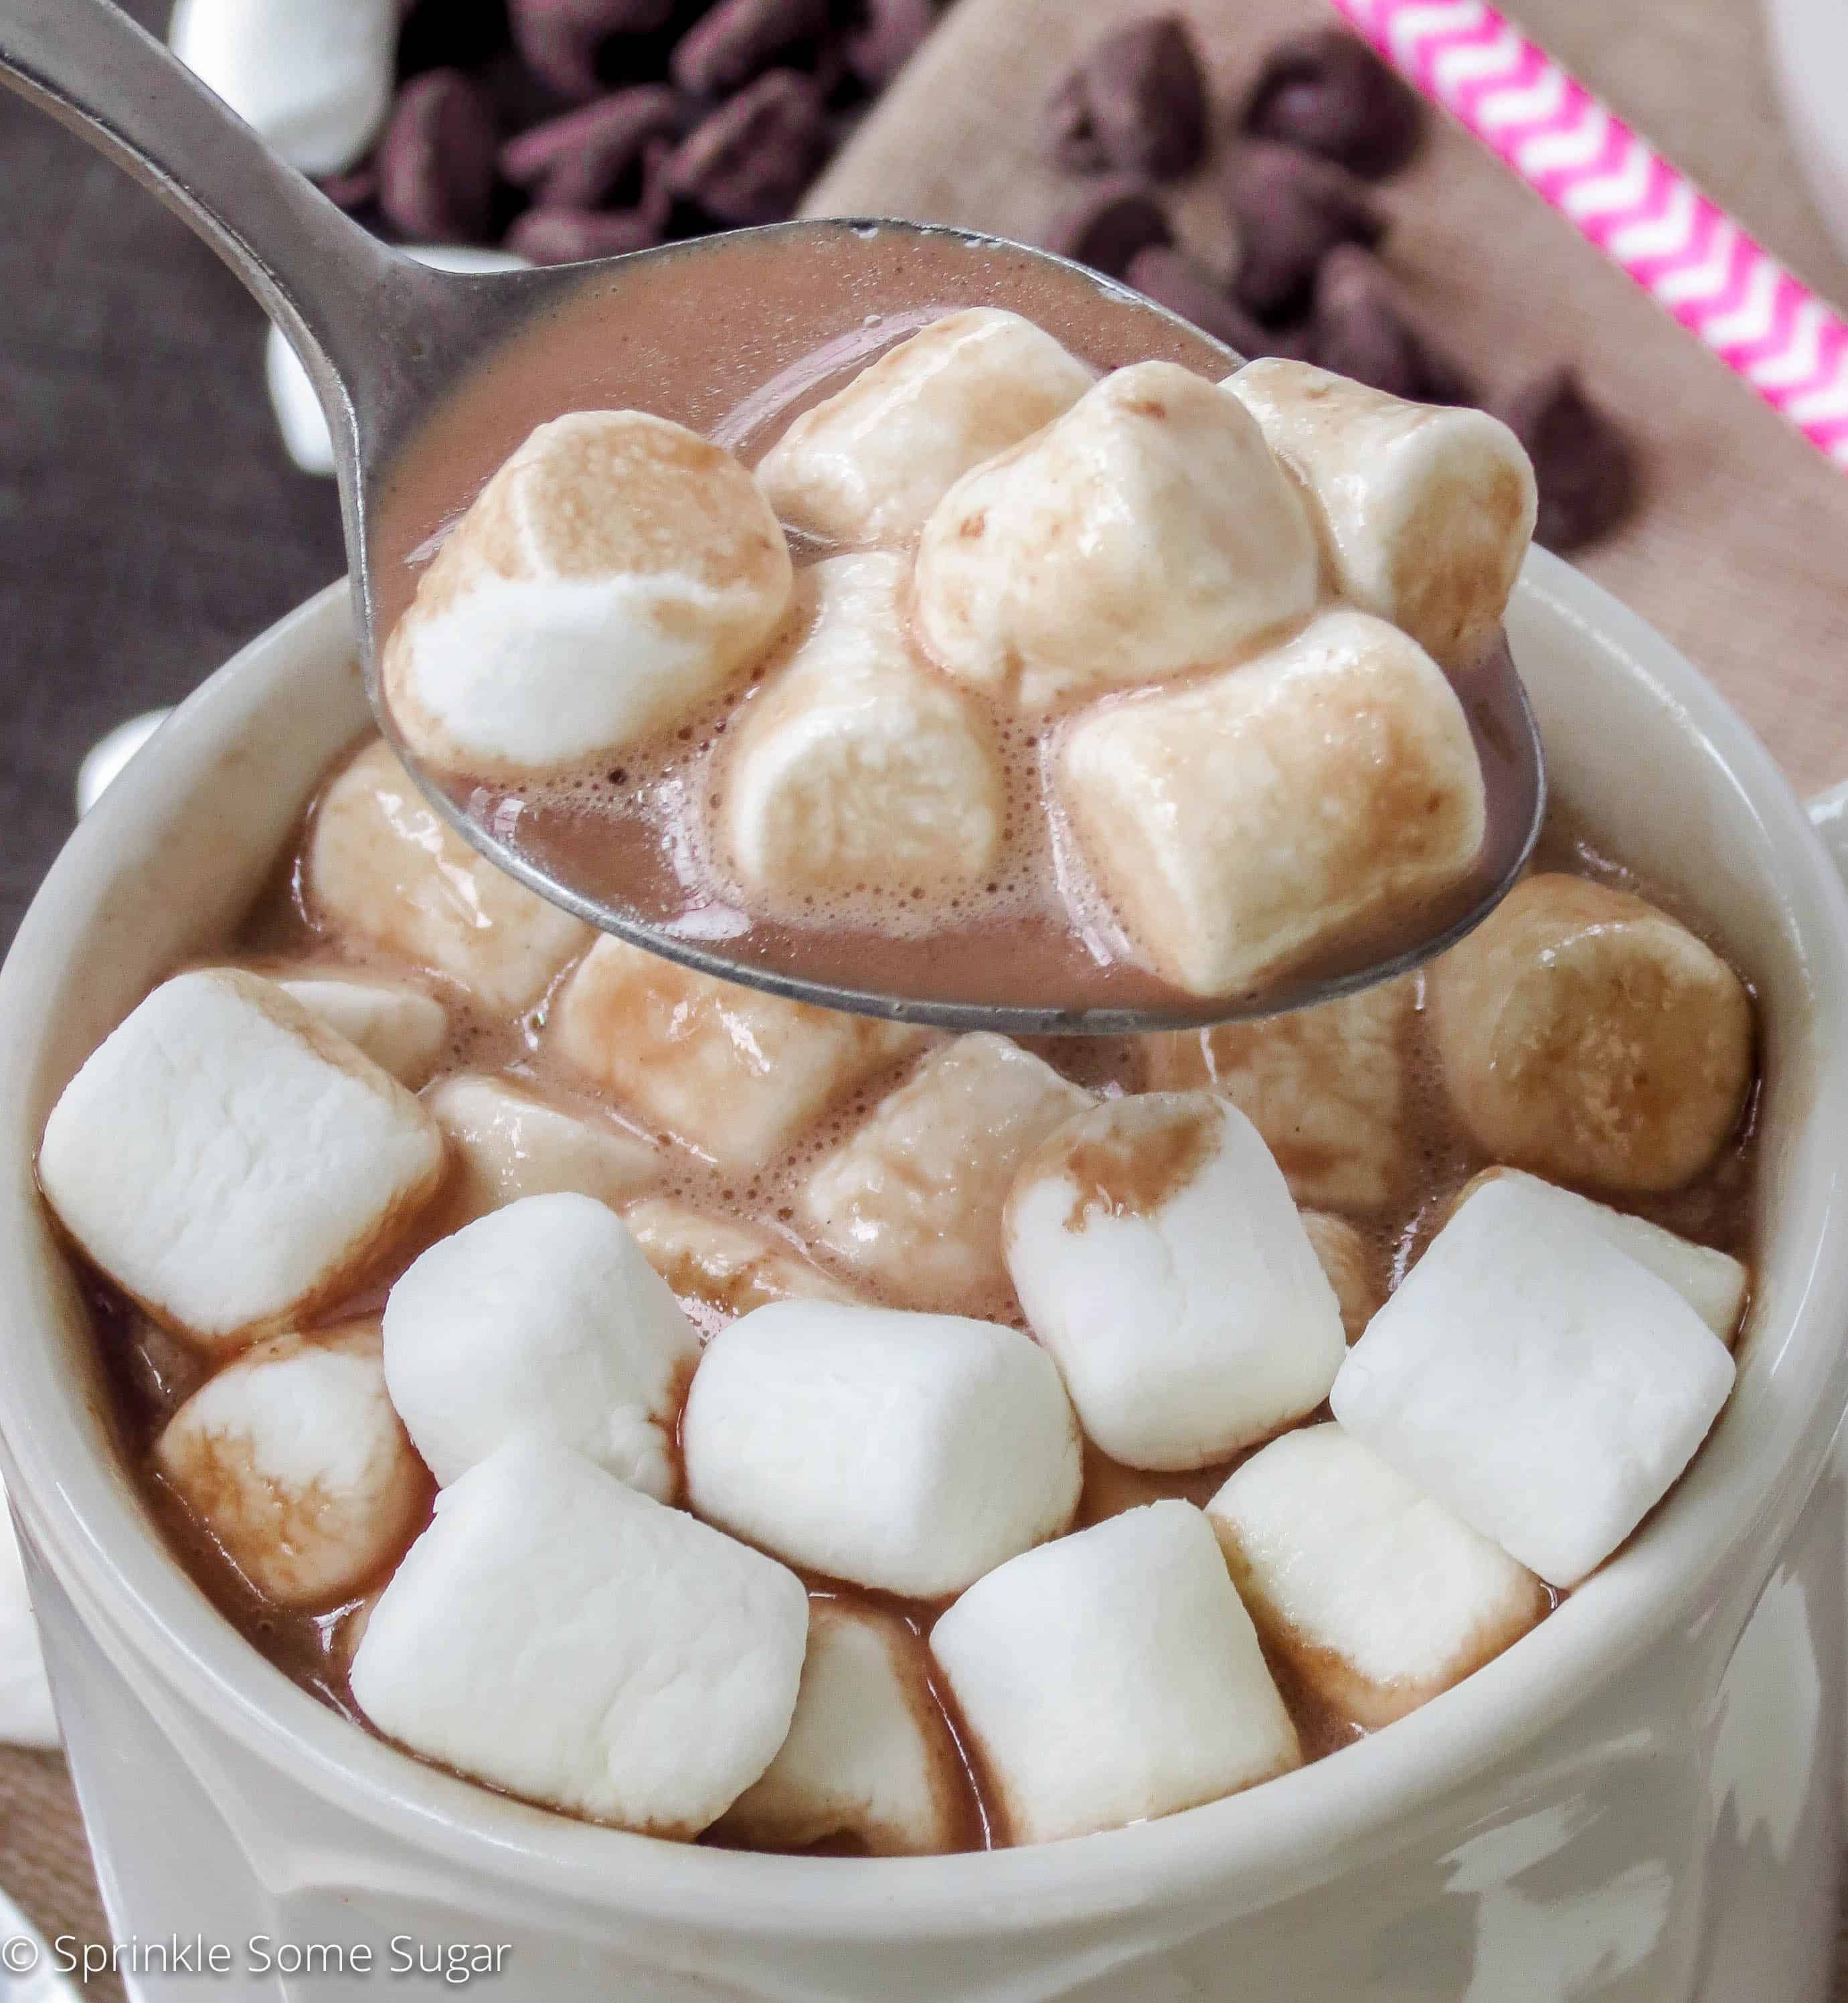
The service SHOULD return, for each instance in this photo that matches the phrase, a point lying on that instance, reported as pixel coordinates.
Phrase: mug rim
(1288, 1832)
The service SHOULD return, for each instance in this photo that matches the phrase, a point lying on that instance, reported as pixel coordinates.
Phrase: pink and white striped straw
(1617, 191)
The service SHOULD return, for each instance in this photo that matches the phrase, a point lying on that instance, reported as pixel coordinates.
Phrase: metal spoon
(689, 330)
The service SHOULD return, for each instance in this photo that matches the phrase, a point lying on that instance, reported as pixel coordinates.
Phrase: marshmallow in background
(1544, 1385)
(1114, 1677)
(1239, 822)
(613, 576)
(869, 464)
(230, 1162)
(1147, 531)
(385, 868)
(505, 1144)
(1376, 1597)
(26, 1715)
(1156, 1250)
(1426, 512)
(556, 1634)
(908, 1452)
(869, 1755)
(293, 1460)
(314, 78)
(1348, 1261)
(719, 1267)
(402, 1029)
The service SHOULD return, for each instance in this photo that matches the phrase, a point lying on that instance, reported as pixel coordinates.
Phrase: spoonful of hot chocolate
(895, 618)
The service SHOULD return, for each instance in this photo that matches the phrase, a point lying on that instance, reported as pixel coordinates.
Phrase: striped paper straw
(1616, 190)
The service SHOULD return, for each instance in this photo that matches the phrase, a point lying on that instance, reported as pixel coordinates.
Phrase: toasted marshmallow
(1542, 1384)
(719, 1268)
(1588, 1036)
(293, 1460)
(1426, 513)
(1155, 1247)
(869, 464)
(1139, 535)
(231, 1162)
(1241, 822)
(912, 1202)
(1712, 1283)
(857, 768)
(909, 1452)
(1377, 1597)
(1326, 1087)
(543, 1320)
(612, 576)
(869, 1755)
(1349, 1265)
(1114, 1677)
(557, 1634)
(732, 1072)
(383, 868)
(402, 1029)
(506, 1144)
(313, 77)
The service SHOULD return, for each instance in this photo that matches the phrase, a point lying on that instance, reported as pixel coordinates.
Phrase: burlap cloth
(1738, 554)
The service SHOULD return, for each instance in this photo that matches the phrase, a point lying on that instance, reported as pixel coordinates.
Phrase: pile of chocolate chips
(1323, 119)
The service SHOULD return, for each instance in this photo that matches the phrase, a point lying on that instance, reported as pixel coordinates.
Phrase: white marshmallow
(1239, 823)
(1326, 1087)
(385, 868)
(292, 1458)
(732, 1072)
(230, 1162)
(559, 1635)
(27, 1717)
(506, 1145)
(869, 1755)
(1349, 1263)
(402, 1029)
(1113, 1676)
(1157, 1254)
(718, 1267)
(857, 768)
(313, 77)
(1712, 1283)
(1426, 513)
(1139, 535)
(541, 1320)
(611, 578)
(906, 1451)
(912, 1201)
(1540, 1383)
(1377, 1597)
(869, 464)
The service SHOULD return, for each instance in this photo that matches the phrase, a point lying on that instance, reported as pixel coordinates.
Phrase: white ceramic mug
(1640, 1801)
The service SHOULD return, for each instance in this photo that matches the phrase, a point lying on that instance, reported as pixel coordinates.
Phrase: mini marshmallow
(1587, 1036)
(313, 77)
(1139, 535)
(293, 1460)
(1239, 823)
(231, 1162)
(719, 1268)
(383, 867)
(732, 1072)
(1377, 1597)
(556, 1634)
(1544, 1385)
(1114, 1677)
(1157, 1252)
(613, 576)
(912, 1201)
(541, 1320)
(1349, 1264)
(1426, 513)
(27, 1717)
(909, 1452)
(506, 1144)
(402, 1029)
(869, 464)
(1712, 1283)
(1325, 1086)
(869, 1755)
(856, 768)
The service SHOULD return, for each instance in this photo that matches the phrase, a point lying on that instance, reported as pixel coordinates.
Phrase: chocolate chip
(563, 41)
(436, 161)
(1117, 218)
(572, 236)
(1171, 279)
(739, 40)
(1137, 102)
(580, 161)
(749, 160)
(1329, 93)
(1583, 462)
(1361, 329)
(887, 37)
(1291, 210)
